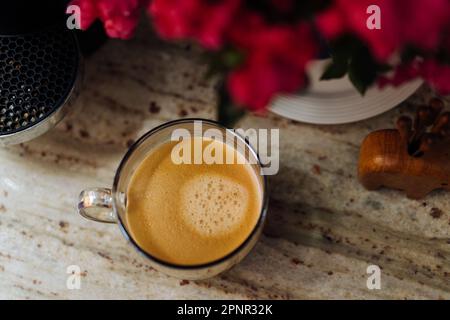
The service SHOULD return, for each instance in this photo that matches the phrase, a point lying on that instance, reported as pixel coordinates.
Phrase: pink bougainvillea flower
(203, 20)
(436, 74)
(120, 17)
(424, 22)
(88, 14)
(402, 73)
(331, 23)
(294, 44)
(275, 52)
(283, 6)
(255, 83)
(403, 22)
(348, 16)
(276, 57)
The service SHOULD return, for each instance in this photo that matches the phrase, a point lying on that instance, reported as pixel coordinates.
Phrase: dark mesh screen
(37, 72)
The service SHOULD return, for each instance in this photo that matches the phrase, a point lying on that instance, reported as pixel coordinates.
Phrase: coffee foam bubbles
(213, 205)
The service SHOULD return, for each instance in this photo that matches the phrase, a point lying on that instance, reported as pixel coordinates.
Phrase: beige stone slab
(323, 229)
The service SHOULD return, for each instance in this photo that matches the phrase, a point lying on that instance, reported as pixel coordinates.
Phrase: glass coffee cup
(110, 205)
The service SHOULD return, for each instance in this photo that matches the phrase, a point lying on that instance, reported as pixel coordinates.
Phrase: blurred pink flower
(203, 20)
(283, 6)
(436, 74)
(88, 14)
(255, 83)
(120, 17)
(276, 57)
(402, 73)
(276, 51)
(403, 22)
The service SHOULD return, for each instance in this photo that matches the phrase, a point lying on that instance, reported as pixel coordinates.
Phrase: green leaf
(232, 58)
(357, 81)
(223, 61)
(343, 49)
(228, 114)
(362, 73)
(362, 69)
(383, 68)
(352, 56)
(335, 70)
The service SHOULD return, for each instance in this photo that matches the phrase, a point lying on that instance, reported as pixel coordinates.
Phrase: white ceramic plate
(337, 101)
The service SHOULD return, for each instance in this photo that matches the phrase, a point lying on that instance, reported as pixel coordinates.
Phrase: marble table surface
(323, 229)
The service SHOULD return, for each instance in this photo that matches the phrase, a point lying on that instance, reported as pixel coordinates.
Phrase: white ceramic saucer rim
(314, 109)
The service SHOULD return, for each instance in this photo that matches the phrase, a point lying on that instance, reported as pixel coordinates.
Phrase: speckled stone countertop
(323, 228)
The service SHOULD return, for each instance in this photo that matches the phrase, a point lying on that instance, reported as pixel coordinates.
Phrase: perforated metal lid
(38, 72)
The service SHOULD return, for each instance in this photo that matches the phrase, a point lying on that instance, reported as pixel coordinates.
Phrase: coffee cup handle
(96, 204)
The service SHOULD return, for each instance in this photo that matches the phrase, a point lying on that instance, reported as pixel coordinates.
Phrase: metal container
(40, 69)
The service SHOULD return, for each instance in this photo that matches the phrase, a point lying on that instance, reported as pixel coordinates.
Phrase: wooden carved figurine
(415, 157)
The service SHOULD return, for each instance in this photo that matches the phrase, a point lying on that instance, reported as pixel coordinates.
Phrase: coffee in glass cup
(193, 218)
